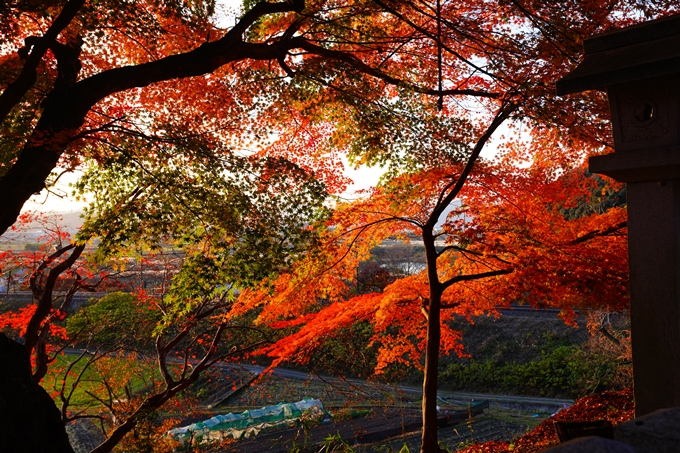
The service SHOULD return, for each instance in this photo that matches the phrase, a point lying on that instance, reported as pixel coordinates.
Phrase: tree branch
(158, 399)
(45, 300)
(472, 252)
(598, 233)
(17, 89)
(468, 277)
(456, 185)
(304, 44)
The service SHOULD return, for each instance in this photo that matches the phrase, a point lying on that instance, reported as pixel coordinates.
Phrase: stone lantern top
(643, 51)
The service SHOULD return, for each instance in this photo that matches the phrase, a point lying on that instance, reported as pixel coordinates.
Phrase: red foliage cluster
(615, 406)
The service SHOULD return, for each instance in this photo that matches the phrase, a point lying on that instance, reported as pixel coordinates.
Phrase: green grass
(529, 418)
(87, 384)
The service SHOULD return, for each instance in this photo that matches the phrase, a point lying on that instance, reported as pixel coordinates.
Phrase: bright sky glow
(58, 198)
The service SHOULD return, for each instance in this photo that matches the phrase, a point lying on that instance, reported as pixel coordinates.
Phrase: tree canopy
(226, 141)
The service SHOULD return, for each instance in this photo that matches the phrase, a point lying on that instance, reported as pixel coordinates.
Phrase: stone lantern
(639, 66)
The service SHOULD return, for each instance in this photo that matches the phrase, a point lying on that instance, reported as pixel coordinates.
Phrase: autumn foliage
(229, 141)
(613, 406)
(508, 219)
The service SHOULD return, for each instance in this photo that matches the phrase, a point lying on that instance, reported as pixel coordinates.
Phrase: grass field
(89, 384)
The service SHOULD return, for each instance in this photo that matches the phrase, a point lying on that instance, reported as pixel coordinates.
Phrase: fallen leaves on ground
(615, 406)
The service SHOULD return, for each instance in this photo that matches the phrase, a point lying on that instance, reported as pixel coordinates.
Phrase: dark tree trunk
(430, 440)
(29, 420)
(432, 309)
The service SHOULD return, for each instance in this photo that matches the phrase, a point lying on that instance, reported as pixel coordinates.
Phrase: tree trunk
(29, 419)
(430, 442)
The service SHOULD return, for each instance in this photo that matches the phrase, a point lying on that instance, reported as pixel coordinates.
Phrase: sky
(61, 200)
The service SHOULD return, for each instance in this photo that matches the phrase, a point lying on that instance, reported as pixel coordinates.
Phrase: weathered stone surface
(633, 53)
(640, 68)
(29, 420)
(658, 432)
(592, 445)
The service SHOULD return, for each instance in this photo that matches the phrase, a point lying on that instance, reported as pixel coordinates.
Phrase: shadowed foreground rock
(29, 420)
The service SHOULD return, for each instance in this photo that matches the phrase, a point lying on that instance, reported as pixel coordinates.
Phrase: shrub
(566, 371)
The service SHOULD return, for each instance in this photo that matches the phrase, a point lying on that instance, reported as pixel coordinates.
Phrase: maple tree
(408, 138)
(124, 85)
(411, 141)
(509, 240)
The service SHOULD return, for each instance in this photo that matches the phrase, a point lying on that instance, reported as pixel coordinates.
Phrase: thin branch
(425, 32)
(467, 277)
(598, 233)
(464, 250)
(534, 20)
(377, 73)
(456, 185)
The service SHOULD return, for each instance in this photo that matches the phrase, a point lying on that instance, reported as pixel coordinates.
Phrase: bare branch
(467, 277)
(599, 233)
